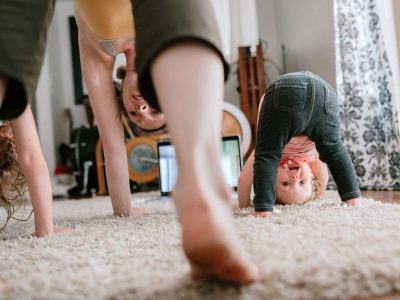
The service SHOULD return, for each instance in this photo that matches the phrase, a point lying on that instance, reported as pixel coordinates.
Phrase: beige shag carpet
(323, 250)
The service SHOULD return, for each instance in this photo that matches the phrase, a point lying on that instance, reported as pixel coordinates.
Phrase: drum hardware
(142, 162)
(83, 158)
(86, 165)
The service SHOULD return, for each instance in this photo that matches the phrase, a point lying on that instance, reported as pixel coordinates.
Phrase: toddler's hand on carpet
(260, 214)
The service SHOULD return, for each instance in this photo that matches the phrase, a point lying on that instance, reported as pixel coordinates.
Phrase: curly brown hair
(13, 184)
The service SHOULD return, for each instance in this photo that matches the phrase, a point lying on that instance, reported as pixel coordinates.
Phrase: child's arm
(320, 170)
(35, 170)
(245, 182)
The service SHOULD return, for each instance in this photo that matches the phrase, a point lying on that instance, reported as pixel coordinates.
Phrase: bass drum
(83, 159)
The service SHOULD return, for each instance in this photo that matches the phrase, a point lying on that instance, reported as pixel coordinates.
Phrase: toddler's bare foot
(209, 240)
(354, 202)
(260, 214)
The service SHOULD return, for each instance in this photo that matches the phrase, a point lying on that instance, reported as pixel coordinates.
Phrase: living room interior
(322, 250)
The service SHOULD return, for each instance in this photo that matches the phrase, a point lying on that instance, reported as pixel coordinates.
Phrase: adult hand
(137, 211)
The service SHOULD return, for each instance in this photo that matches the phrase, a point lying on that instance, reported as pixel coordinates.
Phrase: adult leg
(23, 31)
(188, 79)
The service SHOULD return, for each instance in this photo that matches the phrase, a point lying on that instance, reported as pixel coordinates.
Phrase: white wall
(306, 29)
(268, 28)
(61, 72)
(43, 115)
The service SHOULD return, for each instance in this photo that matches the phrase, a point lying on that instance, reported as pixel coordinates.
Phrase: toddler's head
(296, 184)
(12, 181)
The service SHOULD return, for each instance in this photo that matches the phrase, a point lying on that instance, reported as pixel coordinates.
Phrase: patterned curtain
(364, 84)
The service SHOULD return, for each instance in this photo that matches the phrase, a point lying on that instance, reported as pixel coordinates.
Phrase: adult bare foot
(209, 240)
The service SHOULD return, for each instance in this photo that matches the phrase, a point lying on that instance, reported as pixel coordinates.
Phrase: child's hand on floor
(260, 214)
(244, 203)
(57, 230)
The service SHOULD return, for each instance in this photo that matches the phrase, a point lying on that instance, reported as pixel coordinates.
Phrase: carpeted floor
(322, 250)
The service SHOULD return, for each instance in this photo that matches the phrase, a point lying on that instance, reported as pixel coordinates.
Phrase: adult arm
(97, 68)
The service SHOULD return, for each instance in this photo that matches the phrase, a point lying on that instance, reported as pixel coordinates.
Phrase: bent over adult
(180, 70)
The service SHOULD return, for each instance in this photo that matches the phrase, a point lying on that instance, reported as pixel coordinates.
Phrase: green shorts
(158, 24)
(23, 30)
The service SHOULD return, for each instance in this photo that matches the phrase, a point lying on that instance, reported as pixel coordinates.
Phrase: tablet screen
(231, 162)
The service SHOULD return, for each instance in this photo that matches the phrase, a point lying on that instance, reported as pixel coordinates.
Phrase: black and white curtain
(367, 86)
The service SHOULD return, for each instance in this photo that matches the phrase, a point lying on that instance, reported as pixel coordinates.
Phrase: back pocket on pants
(290, 96)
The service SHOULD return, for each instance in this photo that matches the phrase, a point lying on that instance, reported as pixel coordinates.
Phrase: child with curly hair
(298, 124)
(22, 164)
(12, 187)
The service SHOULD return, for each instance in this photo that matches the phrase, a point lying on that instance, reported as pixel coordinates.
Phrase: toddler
(300, 111)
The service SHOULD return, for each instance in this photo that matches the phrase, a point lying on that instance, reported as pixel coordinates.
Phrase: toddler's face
(139, 111)
(294, 183)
